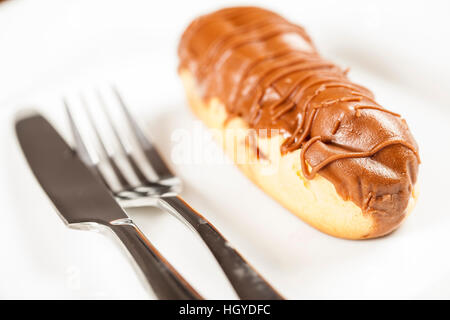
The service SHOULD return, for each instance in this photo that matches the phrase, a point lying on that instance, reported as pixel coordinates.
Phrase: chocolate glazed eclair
(347, 166)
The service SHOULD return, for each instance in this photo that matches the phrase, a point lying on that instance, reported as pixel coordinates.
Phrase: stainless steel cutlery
(120, 157)
(84, 202)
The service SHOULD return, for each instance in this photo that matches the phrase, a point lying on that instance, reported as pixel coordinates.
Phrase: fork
(157, 187)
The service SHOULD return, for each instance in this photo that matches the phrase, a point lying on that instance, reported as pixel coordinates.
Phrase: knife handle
(247, 283)
(165, 281)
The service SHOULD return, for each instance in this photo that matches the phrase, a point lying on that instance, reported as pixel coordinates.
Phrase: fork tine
(81, 147)
(108, 160)
(159, 167)
(114, 179)
(121, 143)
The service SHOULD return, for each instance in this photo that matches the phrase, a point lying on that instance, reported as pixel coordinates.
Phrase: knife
(82, 200)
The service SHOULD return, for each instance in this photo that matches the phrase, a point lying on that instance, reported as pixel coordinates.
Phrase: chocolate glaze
(267, 71)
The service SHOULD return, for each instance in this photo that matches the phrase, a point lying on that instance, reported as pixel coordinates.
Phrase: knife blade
(76, 193)
(80, 197)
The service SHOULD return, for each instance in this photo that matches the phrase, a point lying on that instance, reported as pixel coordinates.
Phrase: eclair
(339, 160)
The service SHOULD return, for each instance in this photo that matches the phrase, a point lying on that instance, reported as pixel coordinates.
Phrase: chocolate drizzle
(267, 71)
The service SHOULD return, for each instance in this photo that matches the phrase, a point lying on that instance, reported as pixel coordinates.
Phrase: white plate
(53, 48)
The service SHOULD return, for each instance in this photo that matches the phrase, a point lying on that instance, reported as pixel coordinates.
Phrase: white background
(399, 49)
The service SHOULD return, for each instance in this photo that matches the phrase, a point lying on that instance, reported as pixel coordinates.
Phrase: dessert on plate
(341, 162)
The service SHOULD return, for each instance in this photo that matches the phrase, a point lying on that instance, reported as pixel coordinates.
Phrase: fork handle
(245, 280)
(165, 281)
